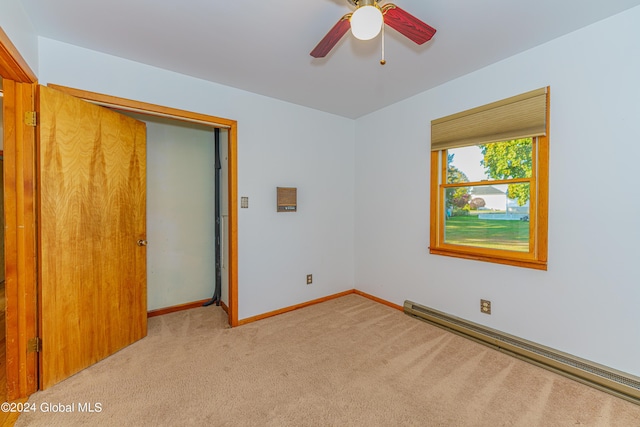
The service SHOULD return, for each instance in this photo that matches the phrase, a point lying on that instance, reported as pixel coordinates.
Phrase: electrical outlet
(309, 279)
(485, 306)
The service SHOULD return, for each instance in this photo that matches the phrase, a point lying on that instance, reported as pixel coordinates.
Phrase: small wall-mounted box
(287, 199)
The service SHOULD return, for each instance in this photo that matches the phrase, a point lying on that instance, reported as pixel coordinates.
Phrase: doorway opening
(181, 212)
(230, 127)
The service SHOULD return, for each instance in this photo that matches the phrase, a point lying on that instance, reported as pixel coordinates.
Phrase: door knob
(142, 242)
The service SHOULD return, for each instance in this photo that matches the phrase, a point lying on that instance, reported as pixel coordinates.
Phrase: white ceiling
(263, 46)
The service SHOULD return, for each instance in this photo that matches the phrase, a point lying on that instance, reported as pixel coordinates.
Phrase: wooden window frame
(536, 257)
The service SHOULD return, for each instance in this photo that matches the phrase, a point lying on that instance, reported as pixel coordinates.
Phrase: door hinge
(34, 345)
(30, 118)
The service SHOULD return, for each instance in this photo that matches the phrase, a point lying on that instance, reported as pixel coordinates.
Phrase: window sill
(516, 262)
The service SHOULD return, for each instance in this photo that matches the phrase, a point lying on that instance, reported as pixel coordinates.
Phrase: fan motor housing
(358, 3)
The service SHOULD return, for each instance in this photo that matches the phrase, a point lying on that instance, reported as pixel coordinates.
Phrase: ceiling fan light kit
(368, 20)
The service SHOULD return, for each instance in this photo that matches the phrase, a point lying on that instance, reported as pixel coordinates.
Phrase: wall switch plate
(244, 202)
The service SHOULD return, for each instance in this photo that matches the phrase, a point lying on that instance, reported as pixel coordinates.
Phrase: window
(489, 182)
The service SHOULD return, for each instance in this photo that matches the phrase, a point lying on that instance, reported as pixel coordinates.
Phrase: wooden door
(92, 231)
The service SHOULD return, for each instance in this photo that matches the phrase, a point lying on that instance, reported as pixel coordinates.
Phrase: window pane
(497, 160)
(465, 164)
(488, 216)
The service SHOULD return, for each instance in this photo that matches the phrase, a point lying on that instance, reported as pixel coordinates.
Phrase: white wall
(279, 144)
(17, 26)
(588, 302)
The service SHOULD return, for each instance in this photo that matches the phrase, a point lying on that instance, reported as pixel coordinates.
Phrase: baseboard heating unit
(621, 384)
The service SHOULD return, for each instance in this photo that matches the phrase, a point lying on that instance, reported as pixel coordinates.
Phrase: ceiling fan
(368, 20)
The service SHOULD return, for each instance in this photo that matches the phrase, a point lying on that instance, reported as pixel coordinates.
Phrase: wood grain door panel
(92, 212)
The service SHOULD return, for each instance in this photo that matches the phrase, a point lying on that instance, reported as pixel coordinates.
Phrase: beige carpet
(345, 362)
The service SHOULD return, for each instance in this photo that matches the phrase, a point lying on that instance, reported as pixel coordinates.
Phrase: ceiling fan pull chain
(382, 61)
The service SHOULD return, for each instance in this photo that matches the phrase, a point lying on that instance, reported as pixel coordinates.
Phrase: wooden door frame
(203, 119)
(19, 83)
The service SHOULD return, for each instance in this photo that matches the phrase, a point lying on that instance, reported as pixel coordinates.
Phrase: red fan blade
(407, 24)
(333, 36)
